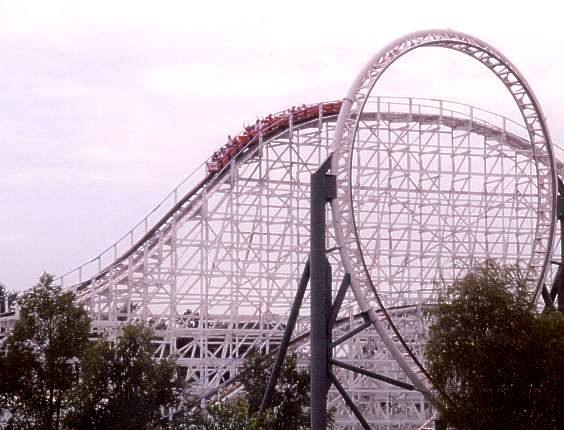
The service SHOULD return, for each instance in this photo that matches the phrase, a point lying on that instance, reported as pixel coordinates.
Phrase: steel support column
(323, 189)
(288, 332)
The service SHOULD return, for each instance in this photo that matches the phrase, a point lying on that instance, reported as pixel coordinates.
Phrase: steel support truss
(323, 316)
(219, 275)
(387, 180)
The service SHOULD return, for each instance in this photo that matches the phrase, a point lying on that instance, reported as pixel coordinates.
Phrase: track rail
(346, 222)
(324, 110)
(445, 115)
(451, 114)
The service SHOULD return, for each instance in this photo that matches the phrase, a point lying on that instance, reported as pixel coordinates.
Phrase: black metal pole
(373, 375)
(282, 351)
(336, 306)
(352, 333)
(321, 192)
(349, 402)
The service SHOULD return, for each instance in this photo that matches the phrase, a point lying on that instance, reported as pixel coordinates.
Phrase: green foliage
(228, 415)
(41, 362)
(123, 386)
(52, 376)
(289, 409)
(493, 359)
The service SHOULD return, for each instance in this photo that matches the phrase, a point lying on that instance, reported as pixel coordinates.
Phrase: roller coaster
(425, 188)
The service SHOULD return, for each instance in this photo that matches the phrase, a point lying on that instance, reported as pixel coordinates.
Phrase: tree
(122, 385)
(226, 415)
(52, 376)
(39, 368)
(288, 410)
(493, 359)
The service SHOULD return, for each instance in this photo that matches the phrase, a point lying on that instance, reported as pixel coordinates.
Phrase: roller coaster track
(396, 114)
(190, 200)
(281, 123)
(425, 188)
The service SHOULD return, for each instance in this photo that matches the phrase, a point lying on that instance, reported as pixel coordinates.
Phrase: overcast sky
(106, 105)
